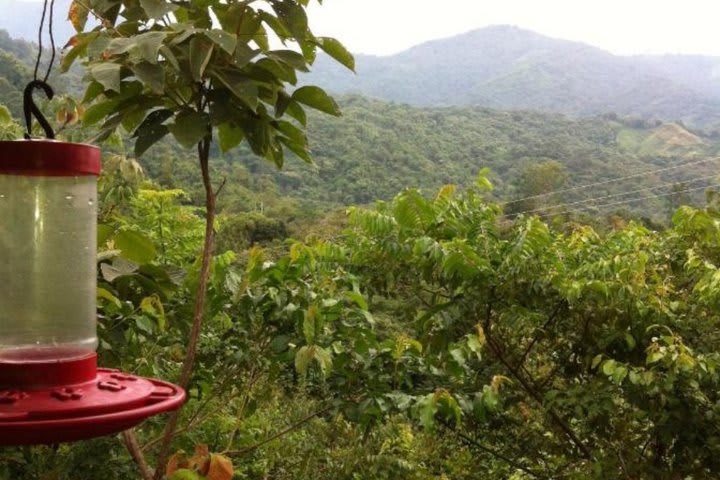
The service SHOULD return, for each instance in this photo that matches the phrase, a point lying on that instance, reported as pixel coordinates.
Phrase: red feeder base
(65, 401)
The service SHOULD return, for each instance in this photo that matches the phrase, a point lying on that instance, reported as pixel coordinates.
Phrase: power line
(630, 200)
(621, 194)
(612, 180)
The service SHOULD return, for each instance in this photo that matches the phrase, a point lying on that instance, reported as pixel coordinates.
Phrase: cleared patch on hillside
(669, 139)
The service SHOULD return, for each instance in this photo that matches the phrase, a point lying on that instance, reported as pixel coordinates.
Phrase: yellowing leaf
(78, 15)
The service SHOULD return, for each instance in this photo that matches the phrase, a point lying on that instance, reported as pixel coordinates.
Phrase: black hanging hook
(31, 109)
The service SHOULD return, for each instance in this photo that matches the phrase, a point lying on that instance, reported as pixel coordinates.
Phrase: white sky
(383, 27)
(621, 26)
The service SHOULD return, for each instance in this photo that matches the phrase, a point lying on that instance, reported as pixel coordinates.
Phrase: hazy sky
(620, 26)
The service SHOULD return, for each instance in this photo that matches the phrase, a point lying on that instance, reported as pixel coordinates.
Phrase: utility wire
(621, 194)
(612, 180)
(629, 200)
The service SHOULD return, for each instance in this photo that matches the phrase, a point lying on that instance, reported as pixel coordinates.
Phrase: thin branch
(536, 337)
(475, 444)
(530, 389)
(281, 433)
(136, 453)
(220, 188)
(200, 299)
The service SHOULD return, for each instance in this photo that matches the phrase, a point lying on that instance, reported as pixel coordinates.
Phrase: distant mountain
(510, 68)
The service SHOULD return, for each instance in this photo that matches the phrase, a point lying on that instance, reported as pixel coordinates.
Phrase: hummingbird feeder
(51, 389)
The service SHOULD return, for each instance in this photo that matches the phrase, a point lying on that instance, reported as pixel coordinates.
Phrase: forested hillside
(377, 149)
(510, 68)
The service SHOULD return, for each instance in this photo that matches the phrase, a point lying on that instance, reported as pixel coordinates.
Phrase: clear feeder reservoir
(48, 210)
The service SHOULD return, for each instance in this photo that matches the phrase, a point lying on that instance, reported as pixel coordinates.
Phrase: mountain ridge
(507, 67)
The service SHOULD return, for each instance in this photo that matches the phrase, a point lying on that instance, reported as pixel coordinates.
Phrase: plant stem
(133, 447)
(282, 433)
(200, 298)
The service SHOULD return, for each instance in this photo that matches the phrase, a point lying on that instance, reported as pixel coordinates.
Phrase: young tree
(200, 71)
(535, 185)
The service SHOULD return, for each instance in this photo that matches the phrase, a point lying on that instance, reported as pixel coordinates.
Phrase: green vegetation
(439, 333)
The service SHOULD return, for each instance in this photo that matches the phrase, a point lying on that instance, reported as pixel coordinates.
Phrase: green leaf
(316, 98)
(97, 112)
(292, 16)
(148, 45)
(103, 294)
(324, 359)
(201, 50)
(153, 306)
(309, 328)
(282, 103)
(427, 408)
(358, 299)
(135, 247)
(190, 127)
(108, 75)
(229, 136)
(151, 75)
(296, 111)
(337, 51)
(596, 361)
(608, 367)
(151, 130)
(303, 358)
(298, 149)
(244, 89)
(118, 46)
(655, 357)
(226, 41)
(104, 232)
(291, 58)
(156, 9)
(630, 341)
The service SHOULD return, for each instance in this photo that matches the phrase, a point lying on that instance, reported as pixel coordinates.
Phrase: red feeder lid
(101, 402)
(48, 158)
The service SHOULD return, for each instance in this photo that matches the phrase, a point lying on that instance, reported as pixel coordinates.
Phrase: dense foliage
(435, 339)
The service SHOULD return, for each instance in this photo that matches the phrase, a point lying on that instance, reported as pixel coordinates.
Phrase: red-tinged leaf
(221, 468)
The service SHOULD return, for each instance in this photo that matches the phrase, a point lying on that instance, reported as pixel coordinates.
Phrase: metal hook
(30, 109)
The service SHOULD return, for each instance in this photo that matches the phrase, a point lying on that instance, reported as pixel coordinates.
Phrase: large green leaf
(229, 136)
(152, 75)
(156, 9)
(292, 16)
(135, 246)
(151, 130)
(201, 50)
(148, 45)
(226, 41)
(337, 51)
(190, 127)
(108, 75)
(244, 89)
(316, 98)
(98, 112)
